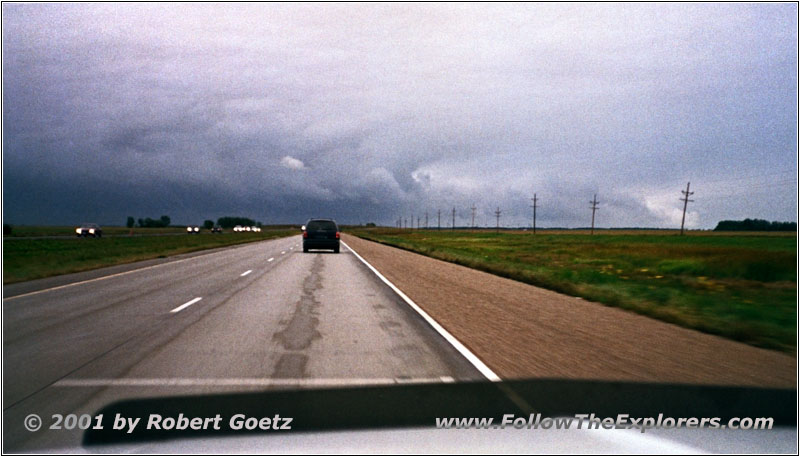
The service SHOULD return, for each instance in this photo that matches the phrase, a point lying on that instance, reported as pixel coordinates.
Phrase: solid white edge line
(270, 259)
(472, 358)
(187, 304)
(246, 273)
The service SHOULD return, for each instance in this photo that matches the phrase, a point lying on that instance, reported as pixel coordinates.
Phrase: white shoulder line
(473, 359)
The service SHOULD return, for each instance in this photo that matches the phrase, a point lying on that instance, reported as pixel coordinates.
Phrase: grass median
(739, 286)
(26, 259)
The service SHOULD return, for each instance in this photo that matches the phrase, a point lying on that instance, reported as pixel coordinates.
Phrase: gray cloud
(370, 112)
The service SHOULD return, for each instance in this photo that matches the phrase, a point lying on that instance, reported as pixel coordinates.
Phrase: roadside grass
(69, 230)
(741, 286)
(25, 259)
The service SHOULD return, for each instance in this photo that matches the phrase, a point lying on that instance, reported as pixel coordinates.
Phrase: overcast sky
(372, 112)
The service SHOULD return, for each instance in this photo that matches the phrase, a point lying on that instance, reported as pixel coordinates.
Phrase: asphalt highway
(248, 318)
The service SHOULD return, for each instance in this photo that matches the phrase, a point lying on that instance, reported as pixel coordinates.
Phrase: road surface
(254, 317)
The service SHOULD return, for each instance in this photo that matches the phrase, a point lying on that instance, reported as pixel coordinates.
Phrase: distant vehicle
(321, 234)
(193, 229)
(89, 229)
(255, 229)
(216, 229)
(238, 228)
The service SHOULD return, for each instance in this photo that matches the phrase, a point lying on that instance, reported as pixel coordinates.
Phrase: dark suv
(321, 234)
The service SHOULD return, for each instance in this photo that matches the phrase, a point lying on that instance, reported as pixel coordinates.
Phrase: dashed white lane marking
(246, 273)
(169, 263)
(187, 304)
(472, 358)
(283, 252)
(270, 259)
(155, 382)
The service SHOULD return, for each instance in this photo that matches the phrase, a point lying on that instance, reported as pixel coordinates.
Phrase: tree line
(164, 221)
(756, 225)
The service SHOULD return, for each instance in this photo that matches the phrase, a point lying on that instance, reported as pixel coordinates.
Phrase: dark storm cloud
(373, 112)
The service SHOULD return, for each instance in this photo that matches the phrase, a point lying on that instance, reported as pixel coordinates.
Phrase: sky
(377, 112)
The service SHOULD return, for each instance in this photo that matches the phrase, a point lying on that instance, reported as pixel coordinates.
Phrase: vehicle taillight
(337, 235)
(305, 234)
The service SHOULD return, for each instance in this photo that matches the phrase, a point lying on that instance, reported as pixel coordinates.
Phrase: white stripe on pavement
(187, 304)
(472, 358)
(246, 273)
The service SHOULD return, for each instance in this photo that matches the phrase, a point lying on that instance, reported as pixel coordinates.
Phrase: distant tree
(230, 221)
(756, 225)
(372, 224)
(163, 221)
(208, 224)
(6, 230)
(258, 224)
(130, 222)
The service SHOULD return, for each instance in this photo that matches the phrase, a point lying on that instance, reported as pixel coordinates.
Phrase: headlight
(78, 231)
(197, 229)
(91, 231)
(188, 229)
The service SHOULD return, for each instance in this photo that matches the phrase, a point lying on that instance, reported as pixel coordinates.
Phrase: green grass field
(69, 230)
(38, 258)
(741, 286)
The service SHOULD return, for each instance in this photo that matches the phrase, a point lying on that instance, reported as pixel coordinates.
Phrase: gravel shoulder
(522, 331)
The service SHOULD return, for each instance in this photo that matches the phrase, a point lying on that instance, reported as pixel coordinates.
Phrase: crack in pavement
(301, 330)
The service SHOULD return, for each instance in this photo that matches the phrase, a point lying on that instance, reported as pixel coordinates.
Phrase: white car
(89, 229)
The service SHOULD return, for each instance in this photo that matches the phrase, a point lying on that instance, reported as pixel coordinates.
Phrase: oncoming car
(321, 234)
(192, 229)
(89, 229)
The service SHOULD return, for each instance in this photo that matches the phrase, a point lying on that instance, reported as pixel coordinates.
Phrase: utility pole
(426, 220)
(417, 222)
(534, 212)
(439, 224)
(454, 218)
(406, 222)
(473, 215)
(594, 203)
(497, 215)
(686, 201)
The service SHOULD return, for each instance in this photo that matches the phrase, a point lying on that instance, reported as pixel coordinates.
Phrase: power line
(473, 215)
(686, 201)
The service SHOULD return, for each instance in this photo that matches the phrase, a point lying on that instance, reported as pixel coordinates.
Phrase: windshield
(407, 224)
(321, 226)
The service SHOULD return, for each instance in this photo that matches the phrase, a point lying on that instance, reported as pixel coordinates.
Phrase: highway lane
(253, 317)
